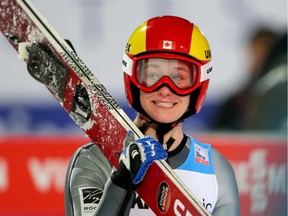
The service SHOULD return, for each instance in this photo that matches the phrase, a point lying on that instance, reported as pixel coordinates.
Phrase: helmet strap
(161, 130)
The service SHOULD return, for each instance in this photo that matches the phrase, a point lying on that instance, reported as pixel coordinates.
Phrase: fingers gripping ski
(149, 150)
(135, 160)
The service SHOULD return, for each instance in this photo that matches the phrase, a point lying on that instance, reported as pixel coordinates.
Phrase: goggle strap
(127, 64)
(206, 70)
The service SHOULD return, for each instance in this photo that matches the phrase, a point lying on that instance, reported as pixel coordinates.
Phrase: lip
(164, 104)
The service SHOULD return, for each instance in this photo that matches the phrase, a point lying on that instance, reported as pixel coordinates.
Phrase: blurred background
(245, 114)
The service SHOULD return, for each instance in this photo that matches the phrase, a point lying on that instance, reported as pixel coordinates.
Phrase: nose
(164, 91)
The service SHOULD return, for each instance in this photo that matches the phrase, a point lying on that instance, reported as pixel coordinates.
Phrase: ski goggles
(181, 74)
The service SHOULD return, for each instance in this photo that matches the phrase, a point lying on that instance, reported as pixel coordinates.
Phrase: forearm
(115, 200)
(134, 161)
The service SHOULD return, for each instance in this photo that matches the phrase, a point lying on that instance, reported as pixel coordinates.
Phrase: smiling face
(163, 105)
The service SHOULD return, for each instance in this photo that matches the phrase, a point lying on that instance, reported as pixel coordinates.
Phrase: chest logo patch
(201, 155)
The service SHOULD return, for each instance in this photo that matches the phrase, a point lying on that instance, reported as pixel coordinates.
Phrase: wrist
(122, 181)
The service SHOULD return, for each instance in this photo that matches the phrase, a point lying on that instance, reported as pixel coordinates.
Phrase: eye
(153, 76)
(176, 77)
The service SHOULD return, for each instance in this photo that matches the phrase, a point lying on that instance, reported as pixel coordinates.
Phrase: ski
(54, 63)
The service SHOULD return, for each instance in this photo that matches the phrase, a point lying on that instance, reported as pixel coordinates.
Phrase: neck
(176, 133)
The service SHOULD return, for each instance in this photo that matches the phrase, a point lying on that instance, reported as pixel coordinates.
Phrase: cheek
(185, 102)
(143, 99)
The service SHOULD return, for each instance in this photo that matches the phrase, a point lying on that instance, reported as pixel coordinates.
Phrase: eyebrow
(156, 65)
(149, 64)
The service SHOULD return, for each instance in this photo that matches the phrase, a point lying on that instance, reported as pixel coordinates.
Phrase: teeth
(164, 104)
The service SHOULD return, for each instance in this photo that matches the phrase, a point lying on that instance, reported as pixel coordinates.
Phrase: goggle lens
(153, 70)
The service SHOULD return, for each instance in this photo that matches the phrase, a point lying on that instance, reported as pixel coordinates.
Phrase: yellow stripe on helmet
(199, 48)
(137, 42)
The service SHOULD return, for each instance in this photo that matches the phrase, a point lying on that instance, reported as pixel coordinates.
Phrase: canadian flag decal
(167, 44)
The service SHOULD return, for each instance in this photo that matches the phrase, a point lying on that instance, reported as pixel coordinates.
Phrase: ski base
(88, 103)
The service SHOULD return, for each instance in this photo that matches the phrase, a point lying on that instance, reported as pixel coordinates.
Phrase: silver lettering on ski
(84, 71)
(101, 92)
(105, 98)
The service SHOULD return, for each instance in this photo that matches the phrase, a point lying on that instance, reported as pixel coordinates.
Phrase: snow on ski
(54, 63)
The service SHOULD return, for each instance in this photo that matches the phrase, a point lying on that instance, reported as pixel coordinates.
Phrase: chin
(164, 120)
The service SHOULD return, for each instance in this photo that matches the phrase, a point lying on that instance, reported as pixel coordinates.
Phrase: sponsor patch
(201, 155)
(89, 198)
(163, 197)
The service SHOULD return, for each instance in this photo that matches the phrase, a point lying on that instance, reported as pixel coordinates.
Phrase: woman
(167, 66)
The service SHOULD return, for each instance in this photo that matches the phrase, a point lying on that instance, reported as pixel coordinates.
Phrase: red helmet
(173, 40)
